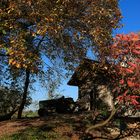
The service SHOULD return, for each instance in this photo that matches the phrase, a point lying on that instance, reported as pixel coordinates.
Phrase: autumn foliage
(22, 55)
(92, 18)
(125, 53)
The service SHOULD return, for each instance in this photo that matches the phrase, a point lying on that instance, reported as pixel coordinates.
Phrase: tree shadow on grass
(61, 126)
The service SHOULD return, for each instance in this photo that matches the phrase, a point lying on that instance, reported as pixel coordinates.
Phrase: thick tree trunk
(24, 97)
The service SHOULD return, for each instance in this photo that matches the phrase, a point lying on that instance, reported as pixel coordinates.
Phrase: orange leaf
(132, 64)
(130, 83)
(129, 70)
(136, 52)
(121, 81)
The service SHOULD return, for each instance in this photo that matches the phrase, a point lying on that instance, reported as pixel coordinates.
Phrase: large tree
(59, 31)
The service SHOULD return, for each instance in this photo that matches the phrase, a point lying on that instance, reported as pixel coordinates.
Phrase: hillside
(65, 127)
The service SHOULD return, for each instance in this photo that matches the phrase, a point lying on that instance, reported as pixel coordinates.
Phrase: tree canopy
(95, 19)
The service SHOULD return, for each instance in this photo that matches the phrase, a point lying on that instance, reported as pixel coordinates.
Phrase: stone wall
(90, 92)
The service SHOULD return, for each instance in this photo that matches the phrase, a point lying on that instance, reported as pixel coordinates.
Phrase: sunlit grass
(38, 134)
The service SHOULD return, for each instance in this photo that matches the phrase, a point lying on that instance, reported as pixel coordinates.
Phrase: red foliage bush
(125, 53)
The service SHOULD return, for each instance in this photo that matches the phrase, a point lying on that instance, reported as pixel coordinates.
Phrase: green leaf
(4, 32)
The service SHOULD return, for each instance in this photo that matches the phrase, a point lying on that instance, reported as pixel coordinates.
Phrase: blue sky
(131, 19)
(131, 16)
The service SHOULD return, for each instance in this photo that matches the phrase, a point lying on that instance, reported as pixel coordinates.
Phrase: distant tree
(10, 101)
(35, 105)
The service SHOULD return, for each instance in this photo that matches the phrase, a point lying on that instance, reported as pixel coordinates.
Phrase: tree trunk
(24, 97)
(101, 124)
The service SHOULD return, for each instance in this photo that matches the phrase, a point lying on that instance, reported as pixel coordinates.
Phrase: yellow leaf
(12, 41)
(18, 65)
(10, 61)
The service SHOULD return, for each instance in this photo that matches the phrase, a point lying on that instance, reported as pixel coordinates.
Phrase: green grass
(30, 114)
(35, 134)
(27, 114)
(56, 127)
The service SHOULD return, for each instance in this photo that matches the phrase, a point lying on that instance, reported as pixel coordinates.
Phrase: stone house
(92, 79)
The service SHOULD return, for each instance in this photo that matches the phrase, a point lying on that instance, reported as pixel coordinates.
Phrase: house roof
(87, 68)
